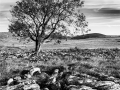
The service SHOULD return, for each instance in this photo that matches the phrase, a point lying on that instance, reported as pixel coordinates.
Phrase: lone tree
(39, 19)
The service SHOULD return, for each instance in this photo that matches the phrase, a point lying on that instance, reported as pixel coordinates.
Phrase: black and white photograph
(59, 44)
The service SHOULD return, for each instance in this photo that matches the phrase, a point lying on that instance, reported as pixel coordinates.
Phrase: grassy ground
(92, 43)
(86, 58)
(99, 60)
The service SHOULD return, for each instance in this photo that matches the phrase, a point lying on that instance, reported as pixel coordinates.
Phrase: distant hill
(91, 35)
(5, 35)
(8, 35)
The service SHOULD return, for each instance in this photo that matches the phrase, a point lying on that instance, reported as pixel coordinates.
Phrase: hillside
(8, 35)
(91, 35)
(4, 35)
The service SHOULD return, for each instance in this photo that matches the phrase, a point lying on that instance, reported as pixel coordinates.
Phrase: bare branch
(53, 29)
(31, 36)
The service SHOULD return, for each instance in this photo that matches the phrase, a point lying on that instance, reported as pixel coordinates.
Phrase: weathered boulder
(42, 77)
(11, 87)
(34, 70)
(111, 78)
(115, 87)
(73, 87)
(54, 86)
(107, 85)
(72, 80)
(86, 88)
(104, 83)
(31, 87)
(45, 89)
(10, 81)
(89, 82)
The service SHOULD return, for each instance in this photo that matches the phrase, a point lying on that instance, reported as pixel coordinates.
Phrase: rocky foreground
(73, 69)
(61, 78)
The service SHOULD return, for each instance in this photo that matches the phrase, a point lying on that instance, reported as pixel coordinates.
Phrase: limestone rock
(31, 86)
(106, 85)
(80, 88)
(115, 87)
(86, 88)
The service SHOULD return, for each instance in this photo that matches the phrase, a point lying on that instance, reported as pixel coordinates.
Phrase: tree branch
(31, 36)
(33, 20)
(54, 28)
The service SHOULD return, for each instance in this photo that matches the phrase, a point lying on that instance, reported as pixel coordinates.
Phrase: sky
(103, 16)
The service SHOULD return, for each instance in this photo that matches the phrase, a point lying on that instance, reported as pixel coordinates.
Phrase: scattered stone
(86, 88)
(73, 87)
(66, 80)
(10, 81)
(11, 87)
(34, 70)
(111, 78)
(104, 85)
(115, 87)
(31, 87)
(45, 89)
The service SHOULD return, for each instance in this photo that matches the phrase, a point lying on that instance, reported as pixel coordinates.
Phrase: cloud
(109, 11)
(103, 15)
(98, 4)
(5, 7)
(4, 14)
(8, 1)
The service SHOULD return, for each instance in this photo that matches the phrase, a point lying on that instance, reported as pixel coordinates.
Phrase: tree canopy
(39, 19)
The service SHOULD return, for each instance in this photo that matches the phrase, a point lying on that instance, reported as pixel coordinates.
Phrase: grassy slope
(91, 35)
(98, 60)
(109, 42)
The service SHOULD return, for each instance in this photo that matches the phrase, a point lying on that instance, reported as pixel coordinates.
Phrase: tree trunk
(38, 44)
(39, 48)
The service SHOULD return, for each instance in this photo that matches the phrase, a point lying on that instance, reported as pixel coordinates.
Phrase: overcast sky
(103, 15)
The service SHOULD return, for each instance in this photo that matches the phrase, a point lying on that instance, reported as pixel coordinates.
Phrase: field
(97, 59)
(90, 43)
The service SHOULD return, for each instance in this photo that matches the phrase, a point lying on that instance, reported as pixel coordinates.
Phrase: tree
(39, 19)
